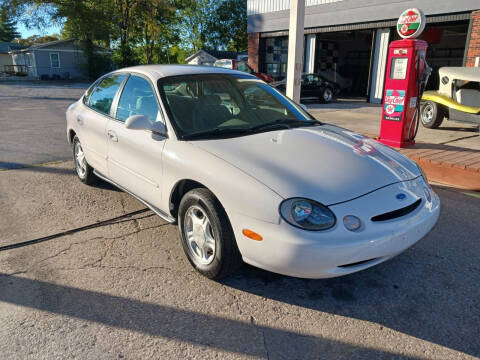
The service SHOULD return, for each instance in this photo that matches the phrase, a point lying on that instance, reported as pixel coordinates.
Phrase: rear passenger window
(137, 98)
(102, 97)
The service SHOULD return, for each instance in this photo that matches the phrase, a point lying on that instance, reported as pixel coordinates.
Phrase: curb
(446, 165)
(457, 175)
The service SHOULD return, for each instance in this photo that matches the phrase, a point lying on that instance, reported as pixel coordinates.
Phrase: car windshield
(220, 105)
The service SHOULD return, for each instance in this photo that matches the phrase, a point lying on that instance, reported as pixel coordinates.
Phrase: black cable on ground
(71, 231)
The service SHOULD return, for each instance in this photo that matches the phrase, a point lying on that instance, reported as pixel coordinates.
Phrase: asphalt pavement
(124, 289)
(32, 121)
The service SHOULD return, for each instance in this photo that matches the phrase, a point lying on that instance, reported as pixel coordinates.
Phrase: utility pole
(295, 49)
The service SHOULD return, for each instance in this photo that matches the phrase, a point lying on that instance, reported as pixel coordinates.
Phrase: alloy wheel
(80, 162)
(427, 114)
(199, 235)
(327, 95)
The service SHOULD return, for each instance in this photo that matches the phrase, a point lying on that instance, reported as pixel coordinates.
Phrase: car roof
(159, 71)
(460, 73)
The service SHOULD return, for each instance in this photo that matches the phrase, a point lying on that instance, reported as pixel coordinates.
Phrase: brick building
(348, 39)
(473, 46)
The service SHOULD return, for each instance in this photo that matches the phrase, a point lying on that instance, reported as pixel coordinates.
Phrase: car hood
(324, 163)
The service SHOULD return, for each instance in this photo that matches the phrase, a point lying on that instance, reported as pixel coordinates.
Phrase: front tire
(83, 170)
(206, 234)
(431, 114)
(327, 95)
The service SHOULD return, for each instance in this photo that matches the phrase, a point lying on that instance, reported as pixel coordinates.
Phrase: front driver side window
(102, 97)
(137, 98)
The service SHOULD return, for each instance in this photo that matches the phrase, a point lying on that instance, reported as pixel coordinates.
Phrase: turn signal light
(252, 235)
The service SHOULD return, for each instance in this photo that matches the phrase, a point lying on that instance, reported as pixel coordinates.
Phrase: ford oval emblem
(401, 196)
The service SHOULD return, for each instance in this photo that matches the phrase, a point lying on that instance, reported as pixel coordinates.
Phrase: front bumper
(337, 251)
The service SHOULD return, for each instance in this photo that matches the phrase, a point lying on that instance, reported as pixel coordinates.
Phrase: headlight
(423, 174)
(307, 214)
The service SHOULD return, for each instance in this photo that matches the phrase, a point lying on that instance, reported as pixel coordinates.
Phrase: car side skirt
(463, 117)
(156, 210)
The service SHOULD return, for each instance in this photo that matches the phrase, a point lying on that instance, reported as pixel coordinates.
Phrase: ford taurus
(247, 174)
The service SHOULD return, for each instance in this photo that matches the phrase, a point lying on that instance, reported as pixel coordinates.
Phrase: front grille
(357, 263)
(397, 213)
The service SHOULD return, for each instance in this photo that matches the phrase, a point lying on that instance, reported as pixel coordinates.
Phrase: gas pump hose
(421, 85)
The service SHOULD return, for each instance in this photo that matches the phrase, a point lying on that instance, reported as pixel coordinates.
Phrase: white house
(208, 57)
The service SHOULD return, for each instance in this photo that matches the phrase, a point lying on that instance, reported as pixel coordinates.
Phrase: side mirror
(142, 122)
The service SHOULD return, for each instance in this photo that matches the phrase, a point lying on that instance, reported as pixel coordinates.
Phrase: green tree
(124, 18)
(176, 54)
(228, 25)
(139, 31)
(154, 29)
(8, 30)
(195, 25)
(37, 39)
(86, 19)
(91, 22)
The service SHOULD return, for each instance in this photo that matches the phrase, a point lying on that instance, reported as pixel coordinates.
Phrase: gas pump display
(399, 68)
(407, 74)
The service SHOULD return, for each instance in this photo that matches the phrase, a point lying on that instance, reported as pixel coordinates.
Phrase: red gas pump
(406, 78)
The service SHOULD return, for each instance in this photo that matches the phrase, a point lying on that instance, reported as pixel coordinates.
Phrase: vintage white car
(248, 174)
(457, 98)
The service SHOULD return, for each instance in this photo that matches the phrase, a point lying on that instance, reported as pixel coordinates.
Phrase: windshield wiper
(286, 123)
(213, 133)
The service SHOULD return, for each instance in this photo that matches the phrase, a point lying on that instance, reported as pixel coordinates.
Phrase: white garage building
(351, 37)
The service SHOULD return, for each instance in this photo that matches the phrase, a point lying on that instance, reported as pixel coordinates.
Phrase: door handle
(79, 120)
(111, 134)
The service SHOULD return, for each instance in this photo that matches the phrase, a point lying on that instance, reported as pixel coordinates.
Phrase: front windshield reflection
(366, 147)
(219, 103)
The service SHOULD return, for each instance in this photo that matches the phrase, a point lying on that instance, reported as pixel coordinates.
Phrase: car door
(92, 121)
(317, 86)
(135, 156)
(307, 88)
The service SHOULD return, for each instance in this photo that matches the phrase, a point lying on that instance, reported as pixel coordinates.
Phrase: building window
(54, 60)
(27, 59)
(276, 52)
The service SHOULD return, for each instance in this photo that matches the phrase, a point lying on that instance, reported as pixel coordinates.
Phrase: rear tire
(206, 234)
(83, 170)
(431, 114)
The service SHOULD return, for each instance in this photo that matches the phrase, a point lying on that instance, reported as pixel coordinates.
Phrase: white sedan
(248, 174)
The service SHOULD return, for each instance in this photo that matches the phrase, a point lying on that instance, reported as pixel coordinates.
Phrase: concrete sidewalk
(448, 155)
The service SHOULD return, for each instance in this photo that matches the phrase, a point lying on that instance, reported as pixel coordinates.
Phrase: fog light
(352, 222)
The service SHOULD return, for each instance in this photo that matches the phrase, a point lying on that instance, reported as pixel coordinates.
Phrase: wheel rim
(199, 235)
(327, 95)
(427, 114)
(80, 162)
